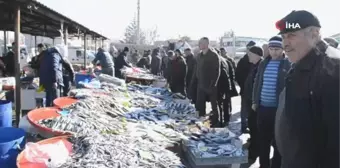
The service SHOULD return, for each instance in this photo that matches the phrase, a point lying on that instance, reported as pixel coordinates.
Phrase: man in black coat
(241, 73)
(120, 62)
(307, 119)
(191, 61)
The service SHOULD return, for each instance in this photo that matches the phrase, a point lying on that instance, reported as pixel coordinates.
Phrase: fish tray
(199, 162)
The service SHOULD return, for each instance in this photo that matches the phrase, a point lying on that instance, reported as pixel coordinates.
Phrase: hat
(126, 49)
(297, 20)
(276, 42)
(250, 44)
(256, 50)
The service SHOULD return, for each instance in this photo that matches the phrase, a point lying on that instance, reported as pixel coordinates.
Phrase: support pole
(95, 45)
(85, 47)
(17, 67)
(53, 41)
(102, 43)
(65, 35)
(35, 45)
(5, 43)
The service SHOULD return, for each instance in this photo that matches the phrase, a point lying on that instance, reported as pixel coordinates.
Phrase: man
(9, 62)
(254, 57)
(307, 120)
(155, 62)
(177, 73)
(191, 61)
(35, 62)
(135, 57)
(225, 55)
(332, 42)
(51, 76)
(265, 50)
(164, 66)
(241, 73)
(207, 73)
(121, 62)
(105, 60)
(269, 83)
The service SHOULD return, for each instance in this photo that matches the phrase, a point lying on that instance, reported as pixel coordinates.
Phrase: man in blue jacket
(51, 76)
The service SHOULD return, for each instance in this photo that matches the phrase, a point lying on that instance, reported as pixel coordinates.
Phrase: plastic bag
(54, 154)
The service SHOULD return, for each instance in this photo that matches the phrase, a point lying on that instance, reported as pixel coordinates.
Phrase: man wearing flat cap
(307, 120)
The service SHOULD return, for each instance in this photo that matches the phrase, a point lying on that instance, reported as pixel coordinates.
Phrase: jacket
(190, 60)
(67, 69)
(156, 65)
(223, 85)
(242, 71)
(233, 91)
(9, 63)
(249, 82)
(120, 62)
(50, 71)
(282, 72)
(208, 70)
(105, 59)
(177, 71)
(307, 120)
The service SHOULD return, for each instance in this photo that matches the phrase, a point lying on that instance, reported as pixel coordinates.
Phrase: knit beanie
(276, 42)
(250, 44)
(256, 50)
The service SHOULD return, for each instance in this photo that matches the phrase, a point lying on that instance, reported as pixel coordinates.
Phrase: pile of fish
(215, 143)
(177, 109)
(89, 115)
(141, 100)
(104, 151)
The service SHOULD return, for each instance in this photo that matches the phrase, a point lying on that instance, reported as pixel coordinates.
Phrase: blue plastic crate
(86, 78)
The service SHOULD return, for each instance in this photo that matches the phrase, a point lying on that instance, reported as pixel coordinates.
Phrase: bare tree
(151, 35)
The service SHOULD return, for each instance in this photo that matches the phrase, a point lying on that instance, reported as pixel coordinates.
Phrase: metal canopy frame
(39, 20)
(32, 17)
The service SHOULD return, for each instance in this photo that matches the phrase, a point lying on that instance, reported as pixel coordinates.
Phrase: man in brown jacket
(207, 73)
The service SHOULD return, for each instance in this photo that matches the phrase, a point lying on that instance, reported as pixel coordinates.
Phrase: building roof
(39, 20)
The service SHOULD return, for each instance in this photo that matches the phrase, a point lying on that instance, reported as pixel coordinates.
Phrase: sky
(194, 18)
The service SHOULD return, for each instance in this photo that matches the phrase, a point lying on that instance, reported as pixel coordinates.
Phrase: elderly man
(241, 74)
(332, 42)
(207, 72)
(307, 120)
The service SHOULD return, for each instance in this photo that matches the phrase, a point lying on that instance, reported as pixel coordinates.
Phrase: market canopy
(39, 20)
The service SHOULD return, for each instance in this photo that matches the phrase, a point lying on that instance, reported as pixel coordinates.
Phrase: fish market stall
(119, 125)
(138, 75)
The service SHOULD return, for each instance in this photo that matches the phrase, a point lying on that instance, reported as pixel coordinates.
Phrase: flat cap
(297, 20)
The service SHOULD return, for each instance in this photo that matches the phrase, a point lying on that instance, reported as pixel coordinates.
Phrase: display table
(139, 80)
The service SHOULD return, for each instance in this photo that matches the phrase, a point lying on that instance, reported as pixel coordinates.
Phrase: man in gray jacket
(207, 73)
(268, 84)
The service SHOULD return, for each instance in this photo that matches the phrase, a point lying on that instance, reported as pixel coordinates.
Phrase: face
(223, 52)
(177, 53)
(187, 52)
(40, 49)
(253, 58)
(275, 52)
(203, 44)
(296, 45)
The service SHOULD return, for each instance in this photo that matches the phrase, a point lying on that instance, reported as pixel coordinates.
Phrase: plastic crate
(82, 78)
(196, 161)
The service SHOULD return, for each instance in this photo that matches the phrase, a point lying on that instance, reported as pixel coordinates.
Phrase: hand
(254, 107)
(55, 85)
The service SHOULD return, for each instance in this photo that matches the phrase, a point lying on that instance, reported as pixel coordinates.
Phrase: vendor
(145, 61)
(51, 76)
(177, 73)
(121, 62)
(35, 62)
(105, 61)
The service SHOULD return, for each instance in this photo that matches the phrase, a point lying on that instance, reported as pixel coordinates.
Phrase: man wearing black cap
(254, 58)
(120, 62)
(241, 73)
(269, 83)
(307, 119)
(332, 42)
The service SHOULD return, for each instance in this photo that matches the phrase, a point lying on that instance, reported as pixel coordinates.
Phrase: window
(79, 53)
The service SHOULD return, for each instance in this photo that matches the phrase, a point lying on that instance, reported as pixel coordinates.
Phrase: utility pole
(138, 21)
